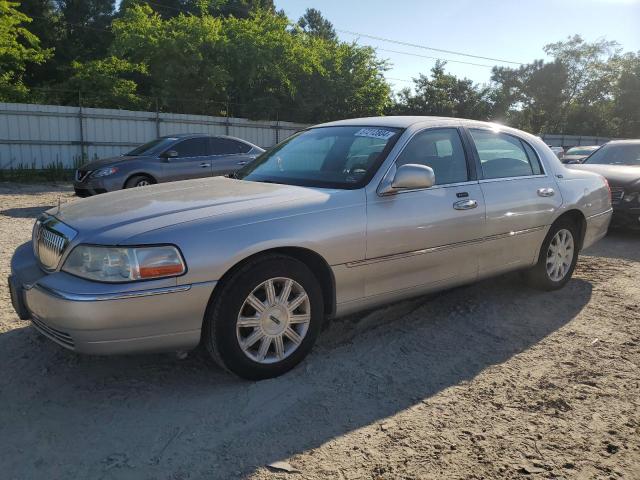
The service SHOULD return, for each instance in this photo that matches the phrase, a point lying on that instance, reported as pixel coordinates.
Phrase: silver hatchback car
(341, 217)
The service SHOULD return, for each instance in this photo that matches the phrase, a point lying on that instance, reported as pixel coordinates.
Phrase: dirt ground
(493, 380)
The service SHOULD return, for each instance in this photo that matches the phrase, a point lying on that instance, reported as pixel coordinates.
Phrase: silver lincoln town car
(338, 218)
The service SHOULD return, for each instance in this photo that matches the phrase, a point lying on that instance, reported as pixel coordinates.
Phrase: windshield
(154, 146)
(580, 151)
(331, 157)
(616, 154)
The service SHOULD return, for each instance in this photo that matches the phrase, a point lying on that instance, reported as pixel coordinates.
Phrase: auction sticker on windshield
(375, 133)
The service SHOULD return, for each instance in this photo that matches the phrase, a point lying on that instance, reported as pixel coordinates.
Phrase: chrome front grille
(617, 194)
(50, 239)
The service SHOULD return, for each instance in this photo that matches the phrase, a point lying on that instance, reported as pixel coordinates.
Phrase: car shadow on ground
(64, 415)
(25, 212)
(619, 243)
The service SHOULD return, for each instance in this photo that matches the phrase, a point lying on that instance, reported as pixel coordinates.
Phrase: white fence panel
(41, 135)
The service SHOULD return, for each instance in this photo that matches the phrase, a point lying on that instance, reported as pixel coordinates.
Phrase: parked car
(165, 159)
(338, 218)
(578, 154)
(619, 162)
(558, 151)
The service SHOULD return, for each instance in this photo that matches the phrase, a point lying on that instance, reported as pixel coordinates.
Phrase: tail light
(606, 182)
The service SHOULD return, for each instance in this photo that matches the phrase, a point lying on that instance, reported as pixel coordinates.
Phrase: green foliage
(108, 83)
(18, 48)
(313, 23)
(242, 58)
(588, 89)
(445, 95)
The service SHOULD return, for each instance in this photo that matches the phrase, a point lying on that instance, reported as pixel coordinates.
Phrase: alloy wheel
(273, 320)
(560, 255)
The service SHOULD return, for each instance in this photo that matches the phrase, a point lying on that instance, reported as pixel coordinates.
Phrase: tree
(225, 8)
(180, 58)
(18, 48)
(571, 94)
(74, 30)
(445, 95)
(313, 23)
(626, 104)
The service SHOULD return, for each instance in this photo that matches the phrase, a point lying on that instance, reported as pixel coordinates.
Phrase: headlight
(104, 172)
(122, 264)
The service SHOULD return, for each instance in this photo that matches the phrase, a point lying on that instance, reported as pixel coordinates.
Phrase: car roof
(634, 141)
(196, 135)
(409, 121)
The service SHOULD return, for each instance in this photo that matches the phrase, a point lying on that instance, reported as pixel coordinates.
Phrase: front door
(427, 237)
(520, 197)
(192, 160)
(229, 155)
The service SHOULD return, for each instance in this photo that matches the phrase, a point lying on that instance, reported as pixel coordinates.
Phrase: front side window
(503, 156)
(154, 146)
(192, 147)
(616, 154)
(441, 149)
(331, 157)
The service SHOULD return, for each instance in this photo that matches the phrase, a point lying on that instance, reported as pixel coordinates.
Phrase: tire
(543, 276)
(230, 344)
(139, 181)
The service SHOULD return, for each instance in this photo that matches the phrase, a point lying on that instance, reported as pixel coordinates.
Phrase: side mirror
(408, 177)
(170, 154)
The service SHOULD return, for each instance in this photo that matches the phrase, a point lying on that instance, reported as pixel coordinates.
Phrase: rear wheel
(139, 181)
(557, 258)
(265, 319)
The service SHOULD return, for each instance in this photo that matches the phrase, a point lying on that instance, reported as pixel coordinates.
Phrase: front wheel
(557, 258)
(265, 319)
(139, 181)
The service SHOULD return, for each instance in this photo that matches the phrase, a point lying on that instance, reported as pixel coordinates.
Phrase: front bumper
(95, 186)
(626, 216)
(95, 318)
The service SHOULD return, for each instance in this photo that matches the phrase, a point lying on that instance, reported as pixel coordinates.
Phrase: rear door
(426, 237)
(520, 198)
(191, 162)
(228, 155)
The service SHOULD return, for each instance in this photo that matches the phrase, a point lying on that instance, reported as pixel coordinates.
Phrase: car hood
(105, 162)
(119, 215)
(616, 175)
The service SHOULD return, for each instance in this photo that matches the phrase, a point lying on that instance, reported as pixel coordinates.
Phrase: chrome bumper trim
(601, 213)
(86, 297)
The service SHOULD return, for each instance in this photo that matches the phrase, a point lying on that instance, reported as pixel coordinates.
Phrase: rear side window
(226, 146)
(503, 156)
(441, 149)
(192, 147)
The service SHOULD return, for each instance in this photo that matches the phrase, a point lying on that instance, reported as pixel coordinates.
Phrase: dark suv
(166, 159)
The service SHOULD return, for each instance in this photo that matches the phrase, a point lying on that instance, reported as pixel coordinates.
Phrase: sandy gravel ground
(493, 380)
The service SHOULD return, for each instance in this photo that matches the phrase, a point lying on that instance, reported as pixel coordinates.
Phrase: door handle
(242, 162)
(465, 204)
(205, 165)
(546, 192)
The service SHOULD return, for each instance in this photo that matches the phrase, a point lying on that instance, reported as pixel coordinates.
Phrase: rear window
(616, 154)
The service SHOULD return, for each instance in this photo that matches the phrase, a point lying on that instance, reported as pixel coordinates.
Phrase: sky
(513, 30)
